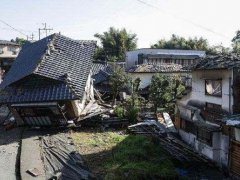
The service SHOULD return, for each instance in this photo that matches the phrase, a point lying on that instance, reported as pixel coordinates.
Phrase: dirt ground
(9, 153)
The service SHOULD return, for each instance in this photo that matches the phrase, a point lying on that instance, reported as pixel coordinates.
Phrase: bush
(132, 114)
(119, 111)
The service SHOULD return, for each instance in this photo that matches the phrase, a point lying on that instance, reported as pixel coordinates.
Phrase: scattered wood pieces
(34, 172)
(169, 141)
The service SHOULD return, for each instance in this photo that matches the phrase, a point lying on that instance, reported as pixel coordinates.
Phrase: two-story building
(159, 56)
(145, 63)
(203, 113)
(8, 52)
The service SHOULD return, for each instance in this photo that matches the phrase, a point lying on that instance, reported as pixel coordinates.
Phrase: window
(213, 106)
(10, 48)
(204, 136)
(213, 87)
(187, 126)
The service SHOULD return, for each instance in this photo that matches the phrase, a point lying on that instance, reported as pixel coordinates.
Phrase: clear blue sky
(215, 20)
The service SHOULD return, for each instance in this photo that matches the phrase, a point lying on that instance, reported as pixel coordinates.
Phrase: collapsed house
(50, 81)
(207, 118)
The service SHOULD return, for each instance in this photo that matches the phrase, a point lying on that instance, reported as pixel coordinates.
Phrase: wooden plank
(235, 157)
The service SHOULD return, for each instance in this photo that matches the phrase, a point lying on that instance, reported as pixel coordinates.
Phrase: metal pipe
(230, 94)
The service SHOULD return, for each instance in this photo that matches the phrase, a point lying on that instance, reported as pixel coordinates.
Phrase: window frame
(203, 139)
(215, 95)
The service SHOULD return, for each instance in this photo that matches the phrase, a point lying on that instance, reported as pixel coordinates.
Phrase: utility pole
(44, 29)
(31, 37)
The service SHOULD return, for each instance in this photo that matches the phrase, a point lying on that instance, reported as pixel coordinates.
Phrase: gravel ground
(9, 153)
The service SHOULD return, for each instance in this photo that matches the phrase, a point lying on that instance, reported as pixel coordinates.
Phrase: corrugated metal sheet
(38, 121)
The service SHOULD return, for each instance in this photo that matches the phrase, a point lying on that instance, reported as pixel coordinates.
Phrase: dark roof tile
(58, 58)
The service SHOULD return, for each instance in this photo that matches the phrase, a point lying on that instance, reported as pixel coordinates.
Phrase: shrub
(119, 111)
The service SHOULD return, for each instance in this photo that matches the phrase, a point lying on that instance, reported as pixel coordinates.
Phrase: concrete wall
(218, 152)
(220, 142)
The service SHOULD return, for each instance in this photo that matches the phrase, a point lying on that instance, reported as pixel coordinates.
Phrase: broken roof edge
(216, 62)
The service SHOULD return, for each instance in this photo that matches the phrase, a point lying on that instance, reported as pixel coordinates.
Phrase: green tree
(236, 43)
(114, 44)
(164, 91)
(118, 80)
(19, 41)
(176, 42)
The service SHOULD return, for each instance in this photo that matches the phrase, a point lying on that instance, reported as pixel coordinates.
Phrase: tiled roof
(216, 62)
(52, 91)
(4, 42)
(57, 58)
(97, 66)
(154, 68)
(103, 75)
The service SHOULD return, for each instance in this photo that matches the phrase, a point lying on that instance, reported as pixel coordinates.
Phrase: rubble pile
(168, 140)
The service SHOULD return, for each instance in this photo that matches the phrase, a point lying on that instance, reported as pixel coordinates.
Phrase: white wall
(218, 152)
(198, 87)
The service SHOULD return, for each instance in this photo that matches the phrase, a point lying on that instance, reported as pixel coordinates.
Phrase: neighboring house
(205, 114)
(159, 56)
(8, 52)
(50, 81)
(101, 79)
(146, 71)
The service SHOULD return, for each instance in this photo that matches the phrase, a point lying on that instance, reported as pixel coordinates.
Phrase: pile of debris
(100, 114)
(166, 133)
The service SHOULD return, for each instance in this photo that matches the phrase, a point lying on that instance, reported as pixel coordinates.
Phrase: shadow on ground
(138, 157)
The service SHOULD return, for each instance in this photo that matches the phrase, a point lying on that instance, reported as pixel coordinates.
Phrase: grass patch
(113, 155)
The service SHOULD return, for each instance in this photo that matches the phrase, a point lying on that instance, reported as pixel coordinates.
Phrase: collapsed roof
(103, 74)
(97, 66)
(157, 68)
(216, 62)
(53, 68)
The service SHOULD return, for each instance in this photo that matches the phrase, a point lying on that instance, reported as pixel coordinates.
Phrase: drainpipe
(230, 94)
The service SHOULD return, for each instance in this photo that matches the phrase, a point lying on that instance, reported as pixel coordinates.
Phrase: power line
(13, 28)
(184, 19)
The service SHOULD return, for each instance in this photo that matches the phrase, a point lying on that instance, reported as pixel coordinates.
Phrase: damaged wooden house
(50, 81)
(208, 117)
